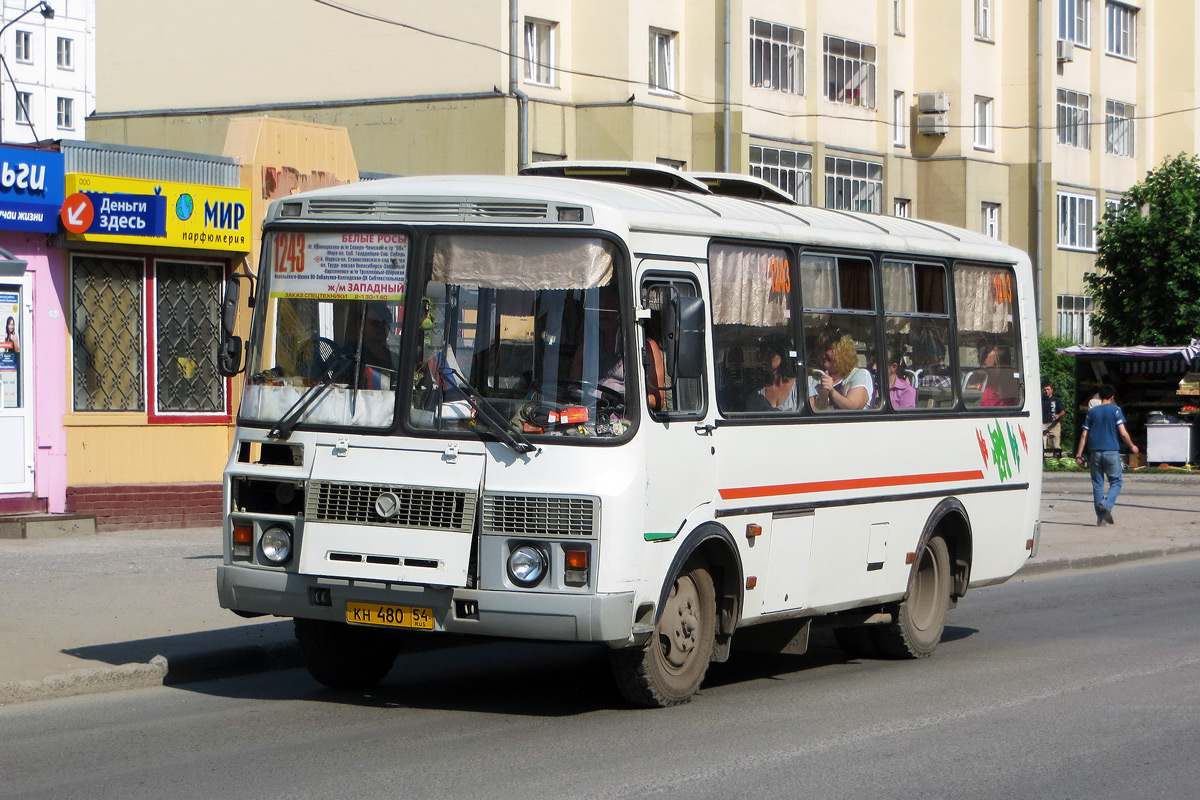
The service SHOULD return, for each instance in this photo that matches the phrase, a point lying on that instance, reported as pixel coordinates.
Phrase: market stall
(1158, 388)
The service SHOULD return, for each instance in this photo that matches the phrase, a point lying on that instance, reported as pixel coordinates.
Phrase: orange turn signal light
(575, 559)
(243, 534)
(751, 582)
(753, 529)
(910, 558)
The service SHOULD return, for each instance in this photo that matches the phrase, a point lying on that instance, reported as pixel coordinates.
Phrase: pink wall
(48, 347)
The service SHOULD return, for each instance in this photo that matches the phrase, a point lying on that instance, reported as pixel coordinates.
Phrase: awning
(10, 265)
(1188, 351)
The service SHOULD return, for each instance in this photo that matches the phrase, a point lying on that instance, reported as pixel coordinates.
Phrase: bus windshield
(517, 336)
(530, 326)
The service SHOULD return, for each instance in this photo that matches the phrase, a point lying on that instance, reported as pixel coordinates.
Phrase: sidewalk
(131, 609)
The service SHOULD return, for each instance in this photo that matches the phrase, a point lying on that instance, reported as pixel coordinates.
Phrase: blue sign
(128, 214)
(31, 189)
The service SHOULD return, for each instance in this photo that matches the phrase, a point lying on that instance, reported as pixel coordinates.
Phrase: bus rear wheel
(669, 668)
(342, 656)
(920, 618)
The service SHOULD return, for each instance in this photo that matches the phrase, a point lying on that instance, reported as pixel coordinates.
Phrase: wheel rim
(923, 599)
(679, 629)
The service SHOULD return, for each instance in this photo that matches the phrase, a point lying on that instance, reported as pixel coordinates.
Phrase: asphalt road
(1079, 685)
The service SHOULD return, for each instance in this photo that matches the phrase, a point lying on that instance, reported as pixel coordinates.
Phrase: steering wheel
(606, 396)
(318, 356)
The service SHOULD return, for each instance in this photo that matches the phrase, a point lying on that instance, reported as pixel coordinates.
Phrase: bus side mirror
(683, 328)
(229, 351)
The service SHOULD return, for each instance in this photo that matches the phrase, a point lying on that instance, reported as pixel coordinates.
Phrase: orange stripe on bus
(747, 492)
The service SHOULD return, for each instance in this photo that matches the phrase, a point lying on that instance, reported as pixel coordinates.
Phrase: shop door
(16, 383)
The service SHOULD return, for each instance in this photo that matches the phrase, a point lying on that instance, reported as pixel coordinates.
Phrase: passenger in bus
(780, 390)
(840, 384)
(1000, 389)
(377, 361)
(902, 393)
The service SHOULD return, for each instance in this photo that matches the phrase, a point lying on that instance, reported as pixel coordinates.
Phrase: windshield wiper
(331, 371)
(485, 411)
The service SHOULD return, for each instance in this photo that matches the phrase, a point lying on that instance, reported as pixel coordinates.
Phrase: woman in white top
(842, 384)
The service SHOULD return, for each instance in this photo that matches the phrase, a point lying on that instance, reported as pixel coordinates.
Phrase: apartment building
(1019, 119)
(47, 68)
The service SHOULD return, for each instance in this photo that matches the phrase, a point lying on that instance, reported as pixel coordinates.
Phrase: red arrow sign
(77, 213)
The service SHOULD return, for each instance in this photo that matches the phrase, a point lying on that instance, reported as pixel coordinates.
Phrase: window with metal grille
(1118, 128)
(187, 326)
(106, 324)
(776, 57)
(1074, 114)
(852, 185)
(790, 170)
(849, 72)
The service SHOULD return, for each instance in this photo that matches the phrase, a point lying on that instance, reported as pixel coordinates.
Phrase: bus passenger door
(677, 431)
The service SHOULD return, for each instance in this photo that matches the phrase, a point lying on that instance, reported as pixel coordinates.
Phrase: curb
(237, 661)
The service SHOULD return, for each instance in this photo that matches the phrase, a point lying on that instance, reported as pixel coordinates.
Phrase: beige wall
(121, 449)
(415, 102)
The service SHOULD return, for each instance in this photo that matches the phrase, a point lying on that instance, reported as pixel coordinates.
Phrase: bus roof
(537, 200)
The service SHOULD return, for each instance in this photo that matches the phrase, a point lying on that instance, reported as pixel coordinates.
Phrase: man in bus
(1103, 432)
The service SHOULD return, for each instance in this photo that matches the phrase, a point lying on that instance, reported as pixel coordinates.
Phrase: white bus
(617, 403)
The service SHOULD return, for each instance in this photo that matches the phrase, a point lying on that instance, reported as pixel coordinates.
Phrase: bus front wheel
(670, 667)
(342, 656)
(920, 618)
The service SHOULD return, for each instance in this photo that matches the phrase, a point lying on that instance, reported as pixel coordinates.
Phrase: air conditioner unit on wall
(933, 102)
(1066, 51)
(933, 124)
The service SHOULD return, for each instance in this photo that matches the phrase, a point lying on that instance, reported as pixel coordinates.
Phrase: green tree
(1147, 284)
(1059, 369)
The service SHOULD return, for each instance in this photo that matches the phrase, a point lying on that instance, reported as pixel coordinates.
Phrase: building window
(1075, 319)
(898, 17)
(1118, 128)
(24, 107)
(66, 113)
(66, 53)
(1073, 19)
(673, 163)
(902, 207)
(539, 52)
(852, 185)
(983, 19)
(990, 215)
(24, 48)
(899, 119)
(983, 123)
(1112, 208)
(1073, 116)
(662, 61)
(849, 72)
(1076, 221)
(776, 57)
(1120, 30)
(187, 332)
(790, 170)
(115, 340)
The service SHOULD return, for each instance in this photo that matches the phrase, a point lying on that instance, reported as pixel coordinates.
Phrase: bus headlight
(527, 565)
(276, 544)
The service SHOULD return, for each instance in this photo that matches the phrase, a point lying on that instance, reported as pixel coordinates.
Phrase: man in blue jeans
(1103, 432)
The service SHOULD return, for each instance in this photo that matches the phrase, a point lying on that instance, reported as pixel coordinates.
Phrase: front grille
(533, 515)
(419, 507)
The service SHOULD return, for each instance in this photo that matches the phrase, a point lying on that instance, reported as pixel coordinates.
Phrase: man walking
(1052, 411)
(1103, 432)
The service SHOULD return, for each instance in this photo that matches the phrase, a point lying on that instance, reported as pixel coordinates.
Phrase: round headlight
(526, 565)
(276, 544)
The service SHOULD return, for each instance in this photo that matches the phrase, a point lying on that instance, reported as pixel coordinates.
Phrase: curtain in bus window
(818, 281)
(750, 286)
(899, 288)
(522, 262)
(983, 297)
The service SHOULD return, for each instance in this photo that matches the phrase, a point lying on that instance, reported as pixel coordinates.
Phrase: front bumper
(508, 614)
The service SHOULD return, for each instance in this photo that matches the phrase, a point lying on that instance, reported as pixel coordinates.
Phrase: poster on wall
(10, 350)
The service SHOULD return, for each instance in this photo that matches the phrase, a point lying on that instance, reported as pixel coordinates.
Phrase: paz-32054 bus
(623, 404)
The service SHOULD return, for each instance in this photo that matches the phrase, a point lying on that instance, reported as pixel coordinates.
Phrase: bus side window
(666, 391)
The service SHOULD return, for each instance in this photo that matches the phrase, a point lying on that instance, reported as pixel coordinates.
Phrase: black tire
(670, 667)
(858, 641)
(342, 656)
(921, 616)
